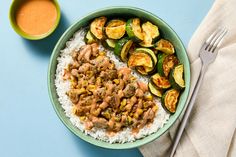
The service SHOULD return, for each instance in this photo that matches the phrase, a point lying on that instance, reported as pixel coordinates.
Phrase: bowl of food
(119, 77)
(34, 19)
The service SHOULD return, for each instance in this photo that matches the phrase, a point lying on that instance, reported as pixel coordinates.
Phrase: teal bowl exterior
(125, 12)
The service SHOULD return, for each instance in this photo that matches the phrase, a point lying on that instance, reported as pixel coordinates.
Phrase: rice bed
(63, 86)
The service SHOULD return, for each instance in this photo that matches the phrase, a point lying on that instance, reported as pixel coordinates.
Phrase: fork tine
(213, 39)
(219, 40)
(212, 36)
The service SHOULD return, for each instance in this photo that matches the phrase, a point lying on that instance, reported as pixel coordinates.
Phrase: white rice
(62, 87)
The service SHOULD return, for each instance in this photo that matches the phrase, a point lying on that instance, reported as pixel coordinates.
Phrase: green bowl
(15, 5)
(166, 31)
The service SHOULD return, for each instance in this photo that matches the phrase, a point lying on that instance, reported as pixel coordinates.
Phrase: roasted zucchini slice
(154, 90)
(176, 77)
(149, 70)
(148, 51)
(166, 63)
(134, 30)
(150, 33)
(109, 43)
(119, 45)
(165, 46)
(141, 70)
(160, 81)
(170, 99)
(147, 42)
(125, 50)
(96, 27)
(89, 38)
(151, 29)
(115, 29)
(140, 59)
(145, 70)
(122, 48)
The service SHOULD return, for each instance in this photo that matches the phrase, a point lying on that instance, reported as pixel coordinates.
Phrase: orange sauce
(36, 17)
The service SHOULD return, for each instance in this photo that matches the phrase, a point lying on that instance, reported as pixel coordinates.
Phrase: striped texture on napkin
(211, 129)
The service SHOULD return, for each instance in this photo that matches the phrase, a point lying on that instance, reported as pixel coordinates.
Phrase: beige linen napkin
(211, 129)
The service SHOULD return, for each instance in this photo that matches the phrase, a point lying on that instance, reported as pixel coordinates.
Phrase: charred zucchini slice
(109, 43)
(140, 59)
(115, 29)
(148, 51)
(119, 45)
(170, 99)
(176, 77)
(165, 46)
(144, 70)
(151, 29)
(125, 50)
(96, 27)
(147, 42)
(89, 38)
(134, 30)
(154, 90)
(166, 63)
(160, 81)
(161, 58)
(150, 33)
(149, 70)
(141, 70)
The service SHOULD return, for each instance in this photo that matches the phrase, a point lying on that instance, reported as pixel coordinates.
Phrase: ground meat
(106, 97)
(129, 90)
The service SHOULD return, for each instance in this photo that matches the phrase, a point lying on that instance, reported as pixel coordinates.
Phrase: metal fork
(208, 53)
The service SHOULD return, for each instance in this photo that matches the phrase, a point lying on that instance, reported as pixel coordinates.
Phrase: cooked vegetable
(150, 33)
(119, 45)
(176, 77)
(122, 48)
(170, 99)
(165, 46)
(107, 113)
(89, 38)
(147, 42)
(141, 70)
(148, 97)
(123, 104)
(109, 43)
(96, 27)
(144, 70)
(159, 55)
(149, 51)
(149, 70)
(166, 63)
(154, 90)
(134, 30)
(140, 59)
(115, 29)
(125, 50)
(138, 113)
(160, 81)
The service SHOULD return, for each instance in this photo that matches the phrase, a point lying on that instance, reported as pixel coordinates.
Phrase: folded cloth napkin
(210, 131)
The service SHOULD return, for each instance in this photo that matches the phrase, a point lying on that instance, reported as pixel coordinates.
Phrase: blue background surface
(28, 123)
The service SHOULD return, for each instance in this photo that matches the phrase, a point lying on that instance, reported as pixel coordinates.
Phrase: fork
(207, 53)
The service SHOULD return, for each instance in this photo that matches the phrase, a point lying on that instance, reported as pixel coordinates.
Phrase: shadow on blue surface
(92, 150)
(44, 47)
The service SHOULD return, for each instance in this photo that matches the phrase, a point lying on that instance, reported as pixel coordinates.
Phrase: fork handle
(188, 110)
